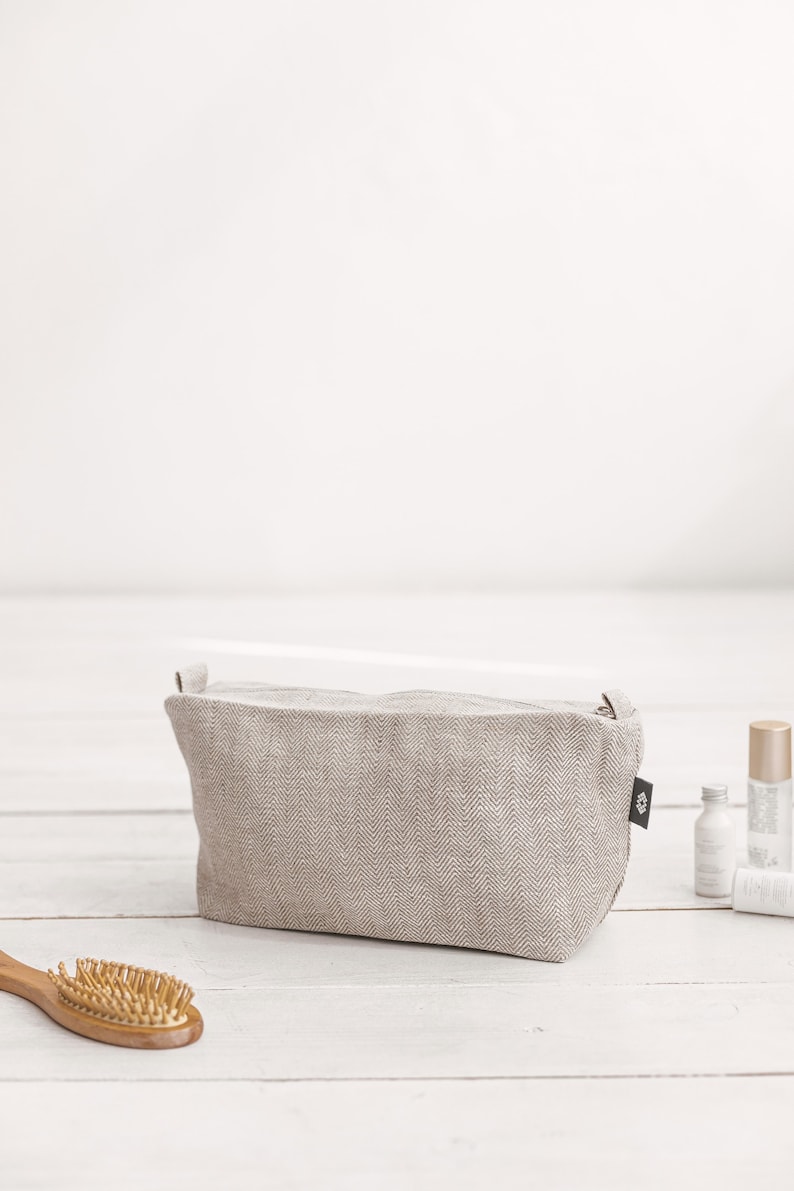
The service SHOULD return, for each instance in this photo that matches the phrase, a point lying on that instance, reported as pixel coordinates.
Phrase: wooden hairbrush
(116, 1003)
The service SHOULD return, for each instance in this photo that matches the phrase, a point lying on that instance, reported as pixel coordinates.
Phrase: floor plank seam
(404, 1079)
(430, 985)
(96, 917)
(167, 917)
(668, 909)
(141, 812)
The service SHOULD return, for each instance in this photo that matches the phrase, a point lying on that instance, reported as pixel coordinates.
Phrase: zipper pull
(616, 705)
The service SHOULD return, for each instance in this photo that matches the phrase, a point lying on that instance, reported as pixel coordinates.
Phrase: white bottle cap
(714, 793)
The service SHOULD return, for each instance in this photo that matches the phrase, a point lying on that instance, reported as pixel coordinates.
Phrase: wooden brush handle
(23, 981)
(36, 986)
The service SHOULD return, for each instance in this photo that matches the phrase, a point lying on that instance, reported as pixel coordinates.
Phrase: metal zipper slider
(605, 710)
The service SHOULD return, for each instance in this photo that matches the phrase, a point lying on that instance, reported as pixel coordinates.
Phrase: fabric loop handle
(619, 704)
(192, 680)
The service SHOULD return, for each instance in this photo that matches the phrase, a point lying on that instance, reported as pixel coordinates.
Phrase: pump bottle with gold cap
(769, 795)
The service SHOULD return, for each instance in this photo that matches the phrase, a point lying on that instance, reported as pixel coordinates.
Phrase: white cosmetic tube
(758, 891)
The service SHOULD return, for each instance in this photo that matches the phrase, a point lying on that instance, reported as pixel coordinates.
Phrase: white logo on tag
(641, 802)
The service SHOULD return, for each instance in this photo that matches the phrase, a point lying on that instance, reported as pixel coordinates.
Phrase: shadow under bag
(422, 816)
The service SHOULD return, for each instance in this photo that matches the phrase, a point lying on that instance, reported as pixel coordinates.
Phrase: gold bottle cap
(770, 751)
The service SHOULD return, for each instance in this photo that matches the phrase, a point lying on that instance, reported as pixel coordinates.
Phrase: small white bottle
(715, 844)
(769, 796)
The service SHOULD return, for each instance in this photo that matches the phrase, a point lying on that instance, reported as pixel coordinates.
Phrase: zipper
(605, 710)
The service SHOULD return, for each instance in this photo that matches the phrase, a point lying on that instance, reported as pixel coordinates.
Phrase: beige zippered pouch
(423, 816)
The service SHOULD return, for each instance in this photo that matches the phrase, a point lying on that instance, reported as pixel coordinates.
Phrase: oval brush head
(123, 993)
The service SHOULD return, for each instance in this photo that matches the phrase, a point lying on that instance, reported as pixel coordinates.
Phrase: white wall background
(412, 293)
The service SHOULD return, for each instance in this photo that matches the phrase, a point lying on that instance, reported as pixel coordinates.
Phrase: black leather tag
(640, 811)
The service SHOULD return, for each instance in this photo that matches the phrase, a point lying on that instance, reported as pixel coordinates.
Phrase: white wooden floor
(662, 1052)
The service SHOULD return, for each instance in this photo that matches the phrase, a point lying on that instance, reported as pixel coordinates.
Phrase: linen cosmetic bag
(421, 815)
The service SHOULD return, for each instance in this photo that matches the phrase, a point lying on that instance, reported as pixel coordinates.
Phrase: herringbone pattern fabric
(423, 816)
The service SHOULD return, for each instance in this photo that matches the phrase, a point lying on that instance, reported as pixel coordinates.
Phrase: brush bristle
(124, 994)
